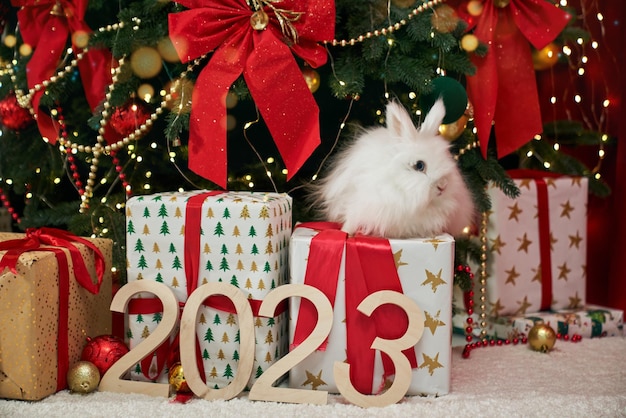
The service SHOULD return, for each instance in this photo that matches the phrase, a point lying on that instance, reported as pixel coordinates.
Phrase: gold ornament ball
(546, 57)
(469, 42)
(444, 19)
(146, 62)
(312, 79)
(452, 131)
(541, 337)
(167, 50)
(177, 379)
(475, 7)
(83, 377)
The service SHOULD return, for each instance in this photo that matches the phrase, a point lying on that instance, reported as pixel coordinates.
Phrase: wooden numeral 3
(112, 381)
(262, 388)
(393, 348)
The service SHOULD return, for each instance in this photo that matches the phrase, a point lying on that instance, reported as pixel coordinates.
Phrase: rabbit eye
(420, 166)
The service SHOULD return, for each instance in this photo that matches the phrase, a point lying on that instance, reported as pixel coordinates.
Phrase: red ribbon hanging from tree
(262, 52)
(504, 90)
(370, 267)
(45, 25)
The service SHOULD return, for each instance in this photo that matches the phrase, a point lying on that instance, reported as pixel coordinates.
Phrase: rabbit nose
(441, 186)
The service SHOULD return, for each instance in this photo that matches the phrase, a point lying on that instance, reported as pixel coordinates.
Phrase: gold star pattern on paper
(537, 276)
(432, 323)
(574, 301)
(512, 275)
(575, 240)
(397, 259)
(564, 271)
(515, 211)
(577, 181)
(524, 305)
(552, 241)
(525, 183)
(496, 308)
(313, 380)
(567, 208)
(550, 182)
(433, 280)
(435, 242)
(524, 243)
(497, 244)
(431, 363)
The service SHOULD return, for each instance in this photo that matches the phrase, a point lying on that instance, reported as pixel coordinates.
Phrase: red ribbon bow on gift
(257, 45)
(37, 239)
(369, 267)
(504, 89)
(46, 24)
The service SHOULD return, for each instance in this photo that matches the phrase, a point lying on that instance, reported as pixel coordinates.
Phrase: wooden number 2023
(262, 388)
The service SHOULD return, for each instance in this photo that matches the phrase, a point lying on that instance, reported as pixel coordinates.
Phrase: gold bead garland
(482, 274)
(389, 29)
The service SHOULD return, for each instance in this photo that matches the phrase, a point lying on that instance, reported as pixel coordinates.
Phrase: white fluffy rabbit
(397, 181)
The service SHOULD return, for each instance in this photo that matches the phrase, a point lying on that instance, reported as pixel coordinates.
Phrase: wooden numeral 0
(112, 381)
(262, 388)
(393, 348)
(188, 339)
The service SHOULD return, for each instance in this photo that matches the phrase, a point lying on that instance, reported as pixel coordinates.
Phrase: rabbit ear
(398, 120)
(433, 119)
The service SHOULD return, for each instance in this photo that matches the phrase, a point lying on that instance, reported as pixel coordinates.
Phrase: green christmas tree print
(157, 317)
(219, 230)
(139, 246)
(255, 250)
(224, 250)
(131, 227)
(205, 354)
(162, 211)
(233, 281)
(159, 278)
(267, 268)
(226, 214)
(129, 334)
(271, 322)
(208, 266)
(172, 248)
(236, 355)
(139, 318)
(165, 229)
(176, 264)
(259, 372)
(228, 371)
(142, 263)
(208, 335)
(237, 337)
(252, 232)
(224, 264)
(217, 320)
(138, 368)
(146, 212)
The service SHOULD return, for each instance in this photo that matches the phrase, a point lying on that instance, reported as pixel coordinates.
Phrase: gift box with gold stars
(347, 269)
(537, 245)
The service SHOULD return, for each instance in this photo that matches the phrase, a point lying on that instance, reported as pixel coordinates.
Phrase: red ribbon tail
(95, 72)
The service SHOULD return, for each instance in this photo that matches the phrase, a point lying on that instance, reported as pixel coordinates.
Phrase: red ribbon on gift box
(543, 216)
(45, 25)
(261, 50)
(370, 267)
(55, 240)
(505, 81)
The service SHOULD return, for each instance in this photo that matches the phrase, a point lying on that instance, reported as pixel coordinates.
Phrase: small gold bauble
(469, 42)
(80, 39)
(259, 20)
(166, 50)
(83, 377)
(312, 79)
(546, 57)
(177, 379)
(452, 131)
(541, 337)
(444, 19)
(146, 62)
(475, 7)
(501, 3)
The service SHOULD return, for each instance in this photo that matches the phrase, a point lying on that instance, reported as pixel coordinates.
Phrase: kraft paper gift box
(591, 321)
(48, 308)
(537, 245)
(239, 238)
(422, 269)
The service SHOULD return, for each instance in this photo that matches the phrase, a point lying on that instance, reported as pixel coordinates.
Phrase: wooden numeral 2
(262, 389)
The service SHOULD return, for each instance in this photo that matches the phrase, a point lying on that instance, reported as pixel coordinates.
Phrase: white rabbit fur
(374, 188)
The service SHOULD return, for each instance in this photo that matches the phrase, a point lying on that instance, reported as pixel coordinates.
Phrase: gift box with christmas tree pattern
(52, 297)
(590, 321)
(187, 239)
(537, 245)
(420, 268)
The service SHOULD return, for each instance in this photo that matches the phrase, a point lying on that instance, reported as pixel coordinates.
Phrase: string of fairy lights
(176, 96)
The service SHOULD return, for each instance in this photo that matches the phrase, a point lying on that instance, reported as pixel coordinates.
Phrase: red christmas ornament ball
(103, 351)
(12, 115)
(129, 117)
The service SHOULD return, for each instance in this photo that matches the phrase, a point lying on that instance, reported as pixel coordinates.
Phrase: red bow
(271, 73)
(46, 25)
(504, 89)
(37, 239)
